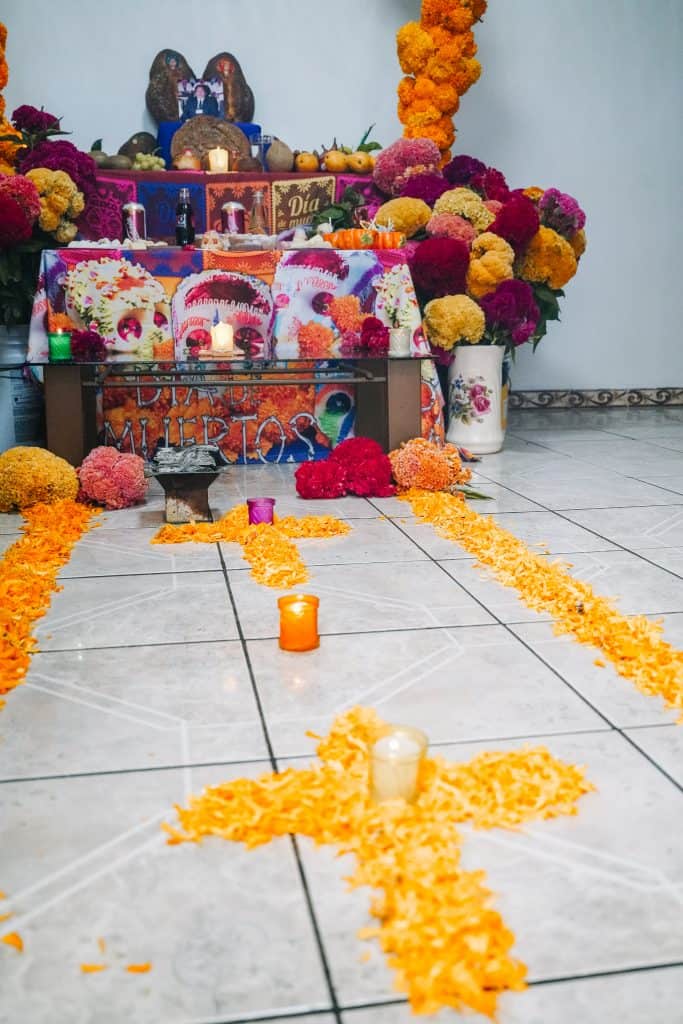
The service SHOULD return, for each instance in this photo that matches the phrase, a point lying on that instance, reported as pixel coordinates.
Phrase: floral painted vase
(476, 407)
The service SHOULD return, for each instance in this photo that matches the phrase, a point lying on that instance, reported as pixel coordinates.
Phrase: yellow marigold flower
(404, 214)
(454, 319)
(415, 47)
(491, 262)
(48, 219)
(66, 232)
(77, 205)
(55, 203)
(31, 475)
(465, 203)
(41, 178)
(578, 243)
(6, 168)
(534, 193)
(549, 258)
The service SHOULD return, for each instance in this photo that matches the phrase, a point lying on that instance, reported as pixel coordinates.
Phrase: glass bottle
(258, 225)
(184, 219)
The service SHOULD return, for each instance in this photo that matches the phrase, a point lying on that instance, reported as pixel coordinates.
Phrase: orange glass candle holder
(299, 622)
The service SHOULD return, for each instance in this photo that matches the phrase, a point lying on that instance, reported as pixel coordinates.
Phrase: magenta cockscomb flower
(62, 156)
(561, 212)
(427, 187)
(511, 313)
(32, 121)
(517, 222)
(439, 267)
(462, 169)
(490, 184)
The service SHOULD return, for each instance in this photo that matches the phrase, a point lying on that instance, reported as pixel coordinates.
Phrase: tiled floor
(160, 672)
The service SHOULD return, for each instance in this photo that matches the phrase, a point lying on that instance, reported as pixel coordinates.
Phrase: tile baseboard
(600, 398)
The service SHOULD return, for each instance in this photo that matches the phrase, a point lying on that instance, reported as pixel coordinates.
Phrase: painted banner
(297, 201)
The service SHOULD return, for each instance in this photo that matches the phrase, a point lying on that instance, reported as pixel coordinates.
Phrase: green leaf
(96, 146)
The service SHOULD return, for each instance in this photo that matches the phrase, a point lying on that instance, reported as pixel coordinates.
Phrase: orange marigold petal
(93, 968)
(14, 939)
(139, 968)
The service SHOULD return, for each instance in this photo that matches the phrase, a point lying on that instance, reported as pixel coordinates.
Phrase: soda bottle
(258, 224)
(184, 219)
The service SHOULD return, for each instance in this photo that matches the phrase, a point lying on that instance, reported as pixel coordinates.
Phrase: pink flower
(112, 478)
(477, 389)
(480, 403)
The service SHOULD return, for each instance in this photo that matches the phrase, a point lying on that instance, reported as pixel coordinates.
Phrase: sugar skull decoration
(127, 307)
(320, 296)
(242, 300)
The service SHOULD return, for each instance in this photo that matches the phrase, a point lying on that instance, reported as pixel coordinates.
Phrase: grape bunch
(148, 162)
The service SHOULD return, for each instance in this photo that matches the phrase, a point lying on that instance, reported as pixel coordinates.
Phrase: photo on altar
(200, 96)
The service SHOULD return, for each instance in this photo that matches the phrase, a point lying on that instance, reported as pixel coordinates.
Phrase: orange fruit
(306, 162)
(359, 162)
(335, 161)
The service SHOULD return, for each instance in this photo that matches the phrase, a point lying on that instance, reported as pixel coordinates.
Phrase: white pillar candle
(395, 764)
(219, 160)
(222, 338)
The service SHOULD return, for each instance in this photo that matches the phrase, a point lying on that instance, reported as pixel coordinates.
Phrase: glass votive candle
(59, 346)
(299, 622)
(260, 510)
(395, 761)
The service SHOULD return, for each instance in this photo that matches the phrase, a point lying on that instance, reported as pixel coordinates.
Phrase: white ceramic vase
(477, 410)
(399, 341)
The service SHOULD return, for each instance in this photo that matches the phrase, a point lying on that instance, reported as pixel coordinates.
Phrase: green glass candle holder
(59, 346)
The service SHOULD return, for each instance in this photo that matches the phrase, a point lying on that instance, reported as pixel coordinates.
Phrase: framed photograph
(200, 96)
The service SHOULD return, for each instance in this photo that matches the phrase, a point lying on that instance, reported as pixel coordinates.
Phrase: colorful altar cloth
(290, 199)
(158, 306)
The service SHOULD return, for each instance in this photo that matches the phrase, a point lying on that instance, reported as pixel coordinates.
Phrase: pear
(279, 157)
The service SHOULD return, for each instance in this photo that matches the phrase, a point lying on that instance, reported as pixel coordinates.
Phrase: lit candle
(395, 764)
(59, 345)
(219, 160)
(222, 338)
(299, 622)
(260, 510)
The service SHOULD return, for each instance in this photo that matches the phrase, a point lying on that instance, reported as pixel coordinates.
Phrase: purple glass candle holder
(260, 510)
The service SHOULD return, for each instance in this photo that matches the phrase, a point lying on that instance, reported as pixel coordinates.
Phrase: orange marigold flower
(421, 463)
(549, 258)
(346, 313)
(315, 340)
(415, 47)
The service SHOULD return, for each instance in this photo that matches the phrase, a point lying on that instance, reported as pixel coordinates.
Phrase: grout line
(264, 759)
(273, 761)
(556, 673)
(536, 983)
(615, 972)
(256, 1018)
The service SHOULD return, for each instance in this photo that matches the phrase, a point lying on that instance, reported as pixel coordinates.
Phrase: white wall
(580, 94)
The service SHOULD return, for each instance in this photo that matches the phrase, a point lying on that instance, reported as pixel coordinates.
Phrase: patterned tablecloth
(158, 305)
(290, 199)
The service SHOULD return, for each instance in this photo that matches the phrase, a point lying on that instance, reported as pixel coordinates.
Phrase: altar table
(298, 382)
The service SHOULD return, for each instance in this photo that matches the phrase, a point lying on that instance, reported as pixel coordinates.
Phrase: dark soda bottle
(184, 219)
